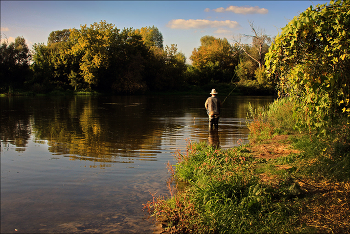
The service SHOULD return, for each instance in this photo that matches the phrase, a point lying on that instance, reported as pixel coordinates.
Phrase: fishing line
(229, 93)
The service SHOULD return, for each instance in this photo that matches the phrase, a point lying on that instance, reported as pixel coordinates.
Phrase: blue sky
(181, 22)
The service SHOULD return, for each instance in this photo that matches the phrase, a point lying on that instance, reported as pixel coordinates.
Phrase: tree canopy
(104, 58)
(151, 36)
(214, 59)
(100, 57)
(14, 63)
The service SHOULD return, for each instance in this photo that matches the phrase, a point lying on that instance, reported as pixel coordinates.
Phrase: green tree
(58, 36)
(104, 58)
(14, 64)
(53, 64)
(128, 63)
(175, 67)
(311, 60)
(246, 67)
(42, 68)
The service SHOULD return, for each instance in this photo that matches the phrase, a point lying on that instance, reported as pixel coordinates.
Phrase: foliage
(103, 58)
(326, 156)
(58, 36)
(252, 57)
(151, 36)
(14, 64)
(311, 60)
(245, 69)
(214, 60)
(91, 45)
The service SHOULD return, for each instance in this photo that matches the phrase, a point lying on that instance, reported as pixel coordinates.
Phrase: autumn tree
(103, 58)
(92, 45)
(215, 60)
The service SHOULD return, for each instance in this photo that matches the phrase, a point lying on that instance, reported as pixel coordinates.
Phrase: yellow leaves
(346, 110)
(90, 43)
(346, 101)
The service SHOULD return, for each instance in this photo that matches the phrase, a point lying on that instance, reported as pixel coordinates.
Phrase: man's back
(213, 104)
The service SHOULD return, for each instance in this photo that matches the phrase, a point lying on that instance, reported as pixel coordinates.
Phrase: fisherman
(213, 106)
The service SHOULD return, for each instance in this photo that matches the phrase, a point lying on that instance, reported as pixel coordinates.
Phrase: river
(87, 164)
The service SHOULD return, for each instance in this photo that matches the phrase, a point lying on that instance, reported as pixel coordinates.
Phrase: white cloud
(243, 10)
(222, 31)
(220, 9)
(201, 23)
(206, 9)
(5, 29)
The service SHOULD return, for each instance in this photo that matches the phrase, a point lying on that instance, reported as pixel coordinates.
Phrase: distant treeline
(103, 58)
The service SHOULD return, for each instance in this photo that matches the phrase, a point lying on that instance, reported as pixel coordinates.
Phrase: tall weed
(274, 119)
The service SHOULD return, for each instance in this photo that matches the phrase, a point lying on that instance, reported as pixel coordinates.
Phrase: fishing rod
(229, 94)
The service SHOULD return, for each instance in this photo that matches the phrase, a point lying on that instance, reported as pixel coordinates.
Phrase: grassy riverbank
(283, 181)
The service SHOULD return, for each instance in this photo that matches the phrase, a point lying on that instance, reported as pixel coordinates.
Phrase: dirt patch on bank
(278, 146)
(326, 208)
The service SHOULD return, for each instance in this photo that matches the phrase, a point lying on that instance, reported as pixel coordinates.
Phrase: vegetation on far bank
(102, 58)
(294, 176)
(235, 89)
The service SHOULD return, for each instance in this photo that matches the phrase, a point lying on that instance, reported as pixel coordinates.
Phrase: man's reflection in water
(213, 138)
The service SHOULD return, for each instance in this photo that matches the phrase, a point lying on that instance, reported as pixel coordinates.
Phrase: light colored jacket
(213, 105)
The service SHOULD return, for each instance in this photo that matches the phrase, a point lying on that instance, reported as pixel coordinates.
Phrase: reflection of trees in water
(15, 122)
(103, 129)
(93, 129)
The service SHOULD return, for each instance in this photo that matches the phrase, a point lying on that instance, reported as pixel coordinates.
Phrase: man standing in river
(213, 105)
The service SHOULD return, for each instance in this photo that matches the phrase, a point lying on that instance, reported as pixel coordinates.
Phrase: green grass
(225, 195)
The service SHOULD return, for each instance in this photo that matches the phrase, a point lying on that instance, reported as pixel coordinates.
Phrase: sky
(181, 22)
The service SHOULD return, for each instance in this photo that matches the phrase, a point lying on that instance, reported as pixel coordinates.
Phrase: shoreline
(314, 203)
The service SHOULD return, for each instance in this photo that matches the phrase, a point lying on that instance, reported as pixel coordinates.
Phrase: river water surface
(88, 164)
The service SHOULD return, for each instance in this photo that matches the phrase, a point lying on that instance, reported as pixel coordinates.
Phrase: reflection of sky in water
(88, 164)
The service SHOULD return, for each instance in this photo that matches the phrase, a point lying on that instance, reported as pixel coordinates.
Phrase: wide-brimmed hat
(213, 91)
